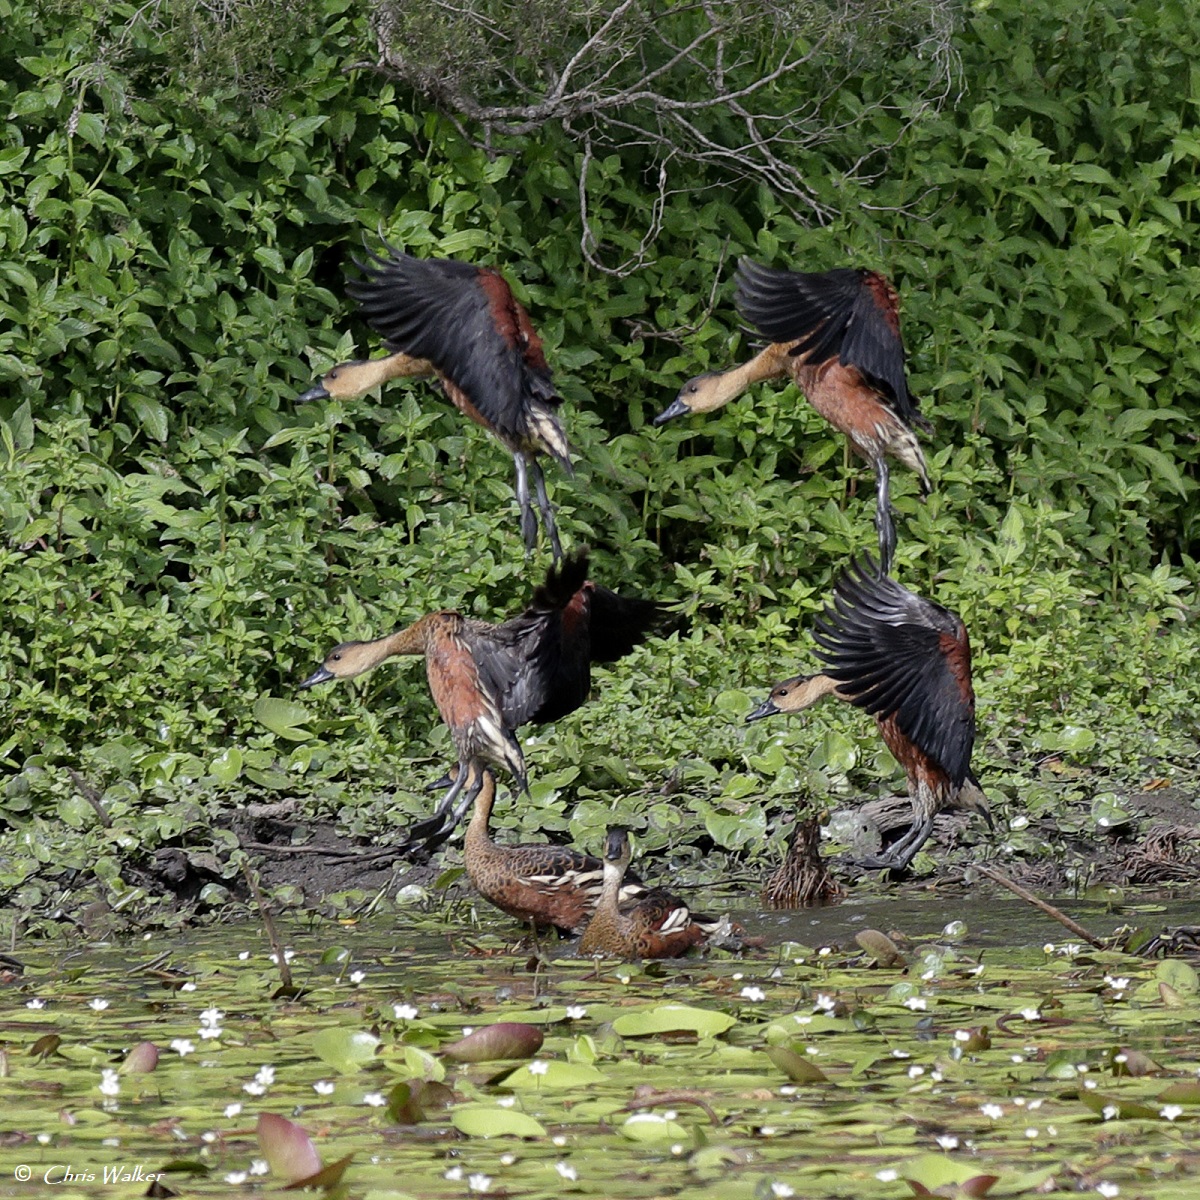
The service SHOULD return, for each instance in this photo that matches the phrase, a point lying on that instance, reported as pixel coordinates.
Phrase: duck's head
(616, 847)
(344, 382)
(793, 695)
(701, 393)
(345, 661)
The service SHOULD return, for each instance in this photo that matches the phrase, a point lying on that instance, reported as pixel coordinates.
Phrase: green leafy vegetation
(180, 542)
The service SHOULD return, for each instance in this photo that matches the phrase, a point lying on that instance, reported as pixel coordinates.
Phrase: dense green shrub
(180, 541)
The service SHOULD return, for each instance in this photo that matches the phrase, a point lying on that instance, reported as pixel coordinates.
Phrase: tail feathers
(561, 584)
(546, 432)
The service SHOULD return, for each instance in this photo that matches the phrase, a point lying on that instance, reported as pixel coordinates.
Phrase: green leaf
(346, 1050)
(282, 717)
(484, 1121)
(673, 1018)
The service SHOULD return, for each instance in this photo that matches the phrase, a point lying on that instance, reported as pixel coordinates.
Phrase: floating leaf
(536, 1075)
(653, 1127)
(481, 1120)
(141, 1060)
(326, 1178)
(1098, 1102)
(505, 1039)
(345, 1050)
(286, 1147)
(409, 1101)
(1179, 976)
(935, 1173)
(673, 1018)
(880, 947)
(1187, 1091)
(797, 1067)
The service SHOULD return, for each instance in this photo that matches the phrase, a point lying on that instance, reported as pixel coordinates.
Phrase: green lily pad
(673, 1018)
(488, 1121)
(345, 1050)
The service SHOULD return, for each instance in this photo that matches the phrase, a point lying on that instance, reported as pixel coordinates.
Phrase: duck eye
(336, 657)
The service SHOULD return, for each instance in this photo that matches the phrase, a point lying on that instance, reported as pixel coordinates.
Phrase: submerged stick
(1049, 909)
(285, 971)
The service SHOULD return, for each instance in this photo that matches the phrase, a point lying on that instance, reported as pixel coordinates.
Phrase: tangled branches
(744, 89)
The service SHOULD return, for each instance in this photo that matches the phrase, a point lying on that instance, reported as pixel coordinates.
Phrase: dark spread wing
(848, 313)
(466, 321)
(619, 623)
(549, 647)
(899, 655)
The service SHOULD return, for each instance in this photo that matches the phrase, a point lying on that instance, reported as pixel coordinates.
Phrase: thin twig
(285, 971)
(92, 796)
(1049, 909)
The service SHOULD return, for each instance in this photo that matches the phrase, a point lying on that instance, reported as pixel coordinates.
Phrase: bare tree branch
(746, 89)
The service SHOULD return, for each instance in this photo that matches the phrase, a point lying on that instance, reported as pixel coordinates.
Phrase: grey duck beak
(316, 392)
(677, 408)
(320, 675)
(768, 708)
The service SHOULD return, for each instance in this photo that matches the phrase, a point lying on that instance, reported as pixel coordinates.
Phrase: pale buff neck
(713, 391)
(802, 692)
(350, 379)
(477, 840)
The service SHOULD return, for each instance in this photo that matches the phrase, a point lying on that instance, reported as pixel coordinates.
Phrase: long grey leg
(539, 482)
(528, 520)
(901, 853)
(883, 516)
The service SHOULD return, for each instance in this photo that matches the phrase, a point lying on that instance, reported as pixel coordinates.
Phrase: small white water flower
(1110, 1112)
(947, 1141)
(453, 1174)
(887, 1175)
(576, 1012)
(753, 994)
(265, 1075)
(374, 1099)
(97, 1005)
(538, 1067)
(479, 1182)
(236, 1177)
(404, 1012)
(782, 1190)
(994, 1111)
(259, 1166)
(233, 1110)
(824, 1003)
(110, 1084)
(1170, 1111)
(187, 987)
(357, 976)
(1031, 1133)
(254, 1088)
(35, 1003)
(1108, 1190)
(182, 1046)
(566, 1170)
(323, 1087)
(1031, 1014)
(915, 1072)
(916, 1003)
